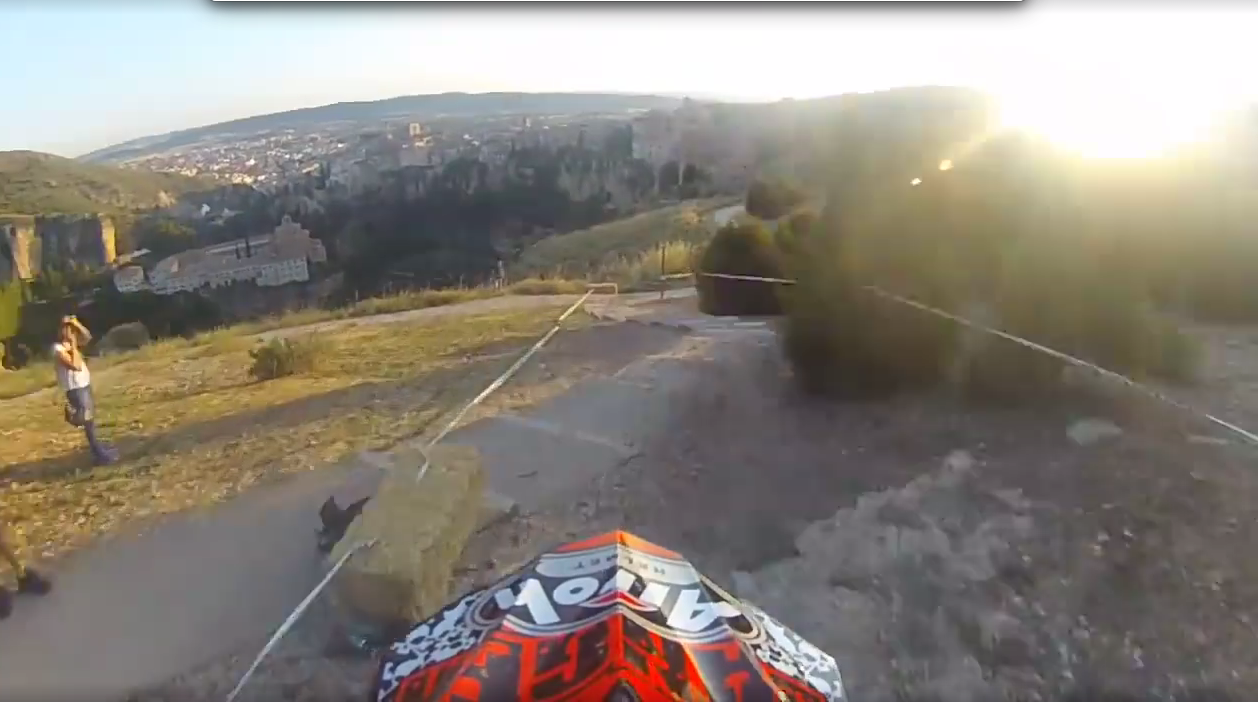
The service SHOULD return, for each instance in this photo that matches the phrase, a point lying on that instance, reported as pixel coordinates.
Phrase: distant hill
(38, 183)
(415, 106)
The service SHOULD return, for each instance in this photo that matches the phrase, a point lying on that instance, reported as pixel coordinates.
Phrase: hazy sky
(79, 75)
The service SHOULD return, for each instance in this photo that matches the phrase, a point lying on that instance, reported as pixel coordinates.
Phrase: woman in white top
(76, 382)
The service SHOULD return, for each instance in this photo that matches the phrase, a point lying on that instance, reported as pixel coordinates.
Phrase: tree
(669, 177)
(771, 199)
(164, 236)
(11, 301)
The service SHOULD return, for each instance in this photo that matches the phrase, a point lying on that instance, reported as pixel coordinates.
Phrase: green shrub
(842, 339)
(1060, 283)
(771, 199)
(792, 231)
(124, 337)
(1076, 297)
(802, 221)
(281, 357)
(745, 248)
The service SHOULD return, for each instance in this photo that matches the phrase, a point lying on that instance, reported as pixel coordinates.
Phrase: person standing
(76, 382)
(28, 580)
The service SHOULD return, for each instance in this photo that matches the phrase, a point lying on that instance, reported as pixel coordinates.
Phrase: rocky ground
(939, 553)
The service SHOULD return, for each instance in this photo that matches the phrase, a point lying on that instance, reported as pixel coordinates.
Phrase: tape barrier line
(756, 278)
(297, 613)
(498, 382)
(1146, 390)
(294, 616)
(1059, 355)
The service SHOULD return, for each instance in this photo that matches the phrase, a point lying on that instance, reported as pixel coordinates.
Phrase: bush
(772, 199)
(791, 233)
(280, 357)
(842, 339)
(745, 248)
(1077, 297)
(802, 221)
(1064, 282)
(124, 337)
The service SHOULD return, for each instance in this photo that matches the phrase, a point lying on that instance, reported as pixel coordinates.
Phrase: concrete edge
(620, 317)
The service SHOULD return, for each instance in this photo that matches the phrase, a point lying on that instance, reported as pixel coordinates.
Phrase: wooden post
(663, 270)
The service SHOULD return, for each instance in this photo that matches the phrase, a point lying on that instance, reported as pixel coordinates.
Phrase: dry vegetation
(625, 251)
(38, 183)
(195, 428)
(38, 376)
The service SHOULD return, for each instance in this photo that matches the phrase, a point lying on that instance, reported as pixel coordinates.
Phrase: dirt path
(133, 609)
(494, 304)
(1040, 568)
(192, 587)
(941, 553)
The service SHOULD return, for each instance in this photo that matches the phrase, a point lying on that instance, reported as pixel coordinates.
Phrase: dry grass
(599, 252)
(646, 268)
(195, 429)
(410, 300)
(34, 377)
(39, 374)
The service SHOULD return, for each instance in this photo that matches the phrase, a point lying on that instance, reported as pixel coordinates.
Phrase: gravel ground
(1114, 566)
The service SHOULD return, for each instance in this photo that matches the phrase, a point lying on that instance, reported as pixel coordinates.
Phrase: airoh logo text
(674, 601)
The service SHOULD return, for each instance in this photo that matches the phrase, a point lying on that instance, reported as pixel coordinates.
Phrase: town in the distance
(348, 200)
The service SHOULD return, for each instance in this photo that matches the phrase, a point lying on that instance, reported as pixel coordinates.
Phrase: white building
(278, 259)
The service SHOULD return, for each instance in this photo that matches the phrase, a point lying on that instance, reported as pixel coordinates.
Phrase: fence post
(663, 269)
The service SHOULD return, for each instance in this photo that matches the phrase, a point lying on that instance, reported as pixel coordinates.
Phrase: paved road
(725, 214)
(139, 608)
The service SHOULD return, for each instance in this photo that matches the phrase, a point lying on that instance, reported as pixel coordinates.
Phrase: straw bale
(420, 530)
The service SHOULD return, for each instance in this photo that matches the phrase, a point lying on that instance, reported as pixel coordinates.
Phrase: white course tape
(498, 382)
(1247, 435)
(506, 375)
(731, 276)
(292, 618)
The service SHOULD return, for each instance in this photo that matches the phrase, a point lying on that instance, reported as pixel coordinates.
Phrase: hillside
(581, 253)
(38, 183)
(417, 106)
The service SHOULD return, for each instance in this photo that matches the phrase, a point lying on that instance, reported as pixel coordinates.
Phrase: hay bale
(420, 530)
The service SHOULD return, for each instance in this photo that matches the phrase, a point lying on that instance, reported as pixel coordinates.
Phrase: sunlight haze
(1103, 80)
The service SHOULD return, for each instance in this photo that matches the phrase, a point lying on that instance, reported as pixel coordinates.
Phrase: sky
(80, 75)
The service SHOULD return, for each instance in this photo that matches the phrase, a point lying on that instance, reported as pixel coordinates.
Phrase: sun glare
(1106, 127)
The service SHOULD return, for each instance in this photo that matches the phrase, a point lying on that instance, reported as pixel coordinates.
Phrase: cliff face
(31, 244)
(18, 249)
(75, 240)
(621, 182)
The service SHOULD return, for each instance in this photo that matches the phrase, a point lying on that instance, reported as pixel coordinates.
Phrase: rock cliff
(32, 243)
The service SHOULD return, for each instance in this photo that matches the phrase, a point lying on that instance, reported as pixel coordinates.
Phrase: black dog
(336, 521)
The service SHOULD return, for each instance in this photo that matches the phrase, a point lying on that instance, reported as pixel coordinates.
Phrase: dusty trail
(188, 588)
(941, 553)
